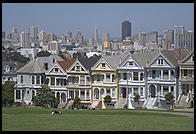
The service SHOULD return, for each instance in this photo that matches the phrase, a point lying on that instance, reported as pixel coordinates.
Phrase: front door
(152, 90)
(124, 92)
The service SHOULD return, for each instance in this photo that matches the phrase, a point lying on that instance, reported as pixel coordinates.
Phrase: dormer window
(160, 61)
(56, 69)
(103, 64)
(77, 68)
(130, 63)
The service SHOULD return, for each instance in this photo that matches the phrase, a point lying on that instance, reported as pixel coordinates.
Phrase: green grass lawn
(84, 120)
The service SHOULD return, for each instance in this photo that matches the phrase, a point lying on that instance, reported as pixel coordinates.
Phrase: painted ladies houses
(186, 80)
(56, 78)
(133, 78)
(31, 76)
(104, 79)
(163, 77)
(79, 81)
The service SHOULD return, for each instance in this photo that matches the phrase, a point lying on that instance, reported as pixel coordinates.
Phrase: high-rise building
(168, 36)
(15, 35)
(69, 35)
(24, 40)
(3, 35)
(152, 37)
(42, 36)
(96, 39)
(178, 30)
(126, 29)
(90, 41)
(188, 40)
(142, 39)
(50, 37)
(33, 34)
(79, 37)
(105, 37)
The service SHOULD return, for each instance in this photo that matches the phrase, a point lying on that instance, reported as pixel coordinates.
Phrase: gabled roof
(37, 65)
(89, 62)
(115, 60)
(174, 55)
(66, 64)
(187, 57)
(15, 65)
(144, 57)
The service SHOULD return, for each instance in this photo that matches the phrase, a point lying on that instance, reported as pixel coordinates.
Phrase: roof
(144, 57)
(14, 66)
(37, 65)
(175, 55)
(66, 64)
(187, 57)
(89, 62)
(115, 60)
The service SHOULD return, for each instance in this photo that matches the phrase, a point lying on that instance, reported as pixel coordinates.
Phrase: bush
(192, 104)
(76, 103)
(107, 99)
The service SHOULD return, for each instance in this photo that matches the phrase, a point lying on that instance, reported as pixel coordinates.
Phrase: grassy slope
(40, 119)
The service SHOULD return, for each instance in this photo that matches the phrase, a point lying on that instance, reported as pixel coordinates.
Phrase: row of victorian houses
(150, 74)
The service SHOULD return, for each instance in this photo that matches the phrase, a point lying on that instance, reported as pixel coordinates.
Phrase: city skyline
(77, 18)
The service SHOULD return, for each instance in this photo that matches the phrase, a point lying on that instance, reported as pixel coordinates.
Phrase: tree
(8, 93)
(169, 99)
(45, 97)
(107, 99)
(43, 54)
(137, 98)
(14, 56)
(77, 102)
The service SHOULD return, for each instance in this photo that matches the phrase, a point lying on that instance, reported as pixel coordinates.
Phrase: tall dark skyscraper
(126, 29)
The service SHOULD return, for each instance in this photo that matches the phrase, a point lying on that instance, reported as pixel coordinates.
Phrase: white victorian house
(133, 78)
(163, 77)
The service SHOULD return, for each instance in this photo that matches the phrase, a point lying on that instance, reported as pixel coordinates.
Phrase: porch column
(48, 81)
(111, 92)
(132, 91)
(21, 94)
(55, 81)
(14, 94)
(55, 94)
(99, 94)
(85, 94)
(68, 94)
(90, 94)
(169, 74)
(79, 94)
(161, 74)
(60, 96)
(161, 90)
(169, 88)
(74, 94)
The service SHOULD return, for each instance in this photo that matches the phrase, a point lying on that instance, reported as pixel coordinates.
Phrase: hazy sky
(63, 17)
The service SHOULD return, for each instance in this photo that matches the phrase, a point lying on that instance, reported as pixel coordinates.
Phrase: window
(76, 93)
(82, 93)
(165, 74)
(65, 82)
(124, 76)
(57, 82)
(185, 72)
(153, 74)
(108, 91)
(141, 91)
(33, 93)
(27, 91)
(33, 79)
(190, 73)
(107, 77)
(135, 91)
(23, 94)
(56, 70)
(87, 93)
(113, 78)
(42, 79)
(21, 79)
(46, 66)
(165, 90)
(103, 64)
(52, 81)
(87, 80)
(141, 76)
(135, 75)
(77, 68)
(172, 90)
(172, 74)
(130, 63)
(160, 61)
(82, 80)
(98, 77)
(113, 92)
(17, 94)
(37, 79)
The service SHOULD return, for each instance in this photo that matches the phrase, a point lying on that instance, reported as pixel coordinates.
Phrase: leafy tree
(107, 99)
(8, 93)
(137, 98)
(169, 99)
(43, 54)
(77, 102)
(14, 56)
(45, 97)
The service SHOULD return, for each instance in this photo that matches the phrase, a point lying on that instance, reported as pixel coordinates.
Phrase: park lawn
(84, 120)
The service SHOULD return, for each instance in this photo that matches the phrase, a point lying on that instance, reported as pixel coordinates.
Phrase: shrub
(192, 104)
(107, 99)
(18, 104)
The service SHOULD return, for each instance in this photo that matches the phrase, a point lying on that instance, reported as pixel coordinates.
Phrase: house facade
(133, 78)
(31, 77)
